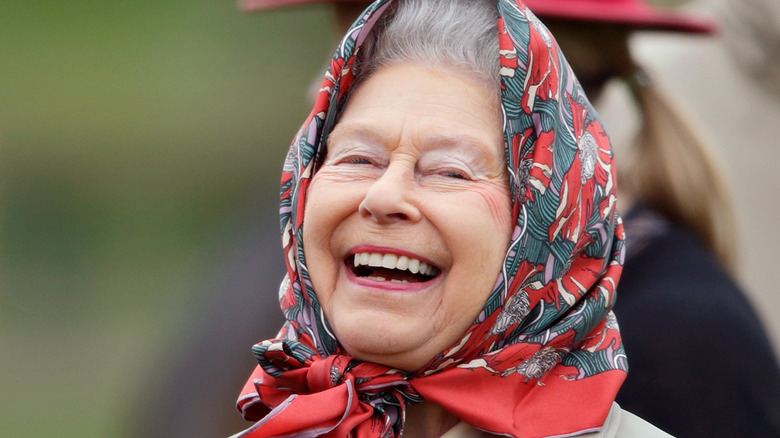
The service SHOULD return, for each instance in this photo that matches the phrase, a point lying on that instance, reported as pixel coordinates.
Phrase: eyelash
(455, 174)
(356, 160)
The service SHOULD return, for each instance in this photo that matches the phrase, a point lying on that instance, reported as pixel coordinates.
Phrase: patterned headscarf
(544, 356)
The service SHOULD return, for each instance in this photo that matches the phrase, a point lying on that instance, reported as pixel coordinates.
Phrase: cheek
(476, 221)
(329, 202)
(498, 207)
(315, 214)
(319, 221)
(478, 240)
(476, 228)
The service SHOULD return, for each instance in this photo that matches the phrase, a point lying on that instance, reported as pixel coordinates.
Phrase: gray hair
(454, 35)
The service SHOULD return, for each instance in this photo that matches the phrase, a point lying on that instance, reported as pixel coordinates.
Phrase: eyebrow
(360, 132)
(461, 142)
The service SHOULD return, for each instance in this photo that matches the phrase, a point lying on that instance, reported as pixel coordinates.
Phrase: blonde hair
(671, 169)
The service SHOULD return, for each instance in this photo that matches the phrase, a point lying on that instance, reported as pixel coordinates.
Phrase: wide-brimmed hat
(255, 5)
(636, 14)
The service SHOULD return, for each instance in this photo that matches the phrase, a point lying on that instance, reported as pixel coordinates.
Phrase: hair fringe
(455, 35)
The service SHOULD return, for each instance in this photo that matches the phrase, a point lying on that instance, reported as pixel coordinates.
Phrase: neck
(427, 420)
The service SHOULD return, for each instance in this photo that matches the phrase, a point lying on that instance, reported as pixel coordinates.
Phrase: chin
(386, 341)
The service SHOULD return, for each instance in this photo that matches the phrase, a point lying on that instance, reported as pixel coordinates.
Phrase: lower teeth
(375, 278)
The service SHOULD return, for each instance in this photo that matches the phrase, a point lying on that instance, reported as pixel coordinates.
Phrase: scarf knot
(294, 382)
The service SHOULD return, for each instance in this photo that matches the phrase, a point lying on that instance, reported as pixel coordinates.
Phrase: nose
(389, 199)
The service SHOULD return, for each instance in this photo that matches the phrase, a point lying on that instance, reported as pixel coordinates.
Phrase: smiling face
(408, 219)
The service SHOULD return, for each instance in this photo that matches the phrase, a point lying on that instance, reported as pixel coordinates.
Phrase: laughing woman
(453, 249)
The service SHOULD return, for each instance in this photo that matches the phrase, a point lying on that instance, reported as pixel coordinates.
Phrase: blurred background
(138, 140)
(134, 136)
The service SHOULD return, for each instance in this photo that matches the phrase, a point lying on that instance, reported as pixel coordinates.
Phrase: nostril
(363, 209)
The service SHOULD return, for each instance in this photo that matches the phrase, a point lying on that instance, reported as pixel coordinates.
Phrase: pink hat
(254, 5)
(636, 14)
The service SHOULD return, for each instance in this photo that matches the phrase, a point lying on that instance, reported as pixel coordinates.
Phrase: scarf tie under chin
(544, 357)
(331, 397)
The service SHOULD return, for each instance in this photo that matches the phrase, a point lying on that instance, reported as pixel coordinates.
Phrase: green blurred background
(131, 135)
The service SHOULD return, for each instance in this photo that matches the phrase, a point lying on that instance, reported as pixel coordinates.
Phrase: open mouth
(391, 267)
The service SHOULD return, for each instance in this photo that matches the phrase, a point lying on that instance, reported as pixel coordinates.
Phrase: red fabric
(540, 401)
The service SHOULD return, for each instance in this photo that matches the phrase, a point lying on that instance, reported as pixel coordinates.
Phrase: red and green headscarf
(544, 357)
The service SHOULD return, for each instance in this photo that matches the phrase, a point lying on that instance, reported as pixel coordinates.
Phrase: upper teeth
(392, 261)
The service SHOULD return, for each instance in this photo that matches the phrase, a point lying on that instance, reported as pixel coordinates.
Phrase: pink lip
(389, 286)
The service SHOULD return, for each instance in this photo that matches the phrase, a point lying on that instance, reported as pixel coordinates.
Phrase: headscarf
(544, 357)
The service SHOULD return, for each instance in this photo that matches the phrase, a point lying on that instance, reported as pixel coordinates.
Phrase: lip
(388, 286)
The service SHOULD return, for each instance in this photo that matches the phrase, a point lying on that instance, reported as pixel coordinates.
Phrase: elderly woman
(453, 249)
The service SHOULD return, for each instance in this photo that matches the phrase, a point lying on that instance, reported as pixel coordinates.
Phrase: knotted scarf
(544, 357)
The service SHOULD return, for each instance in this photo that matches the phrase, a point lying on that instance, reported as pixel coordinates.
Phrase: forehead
(441, 107)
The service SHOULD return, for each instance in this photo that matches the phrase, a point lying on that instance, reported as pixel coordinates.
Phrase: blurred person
(448, 211)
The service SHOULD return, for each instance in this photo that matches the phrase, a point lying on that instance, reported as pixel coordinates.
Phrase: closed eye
(454, 174)
(358, 160)
(355, 159)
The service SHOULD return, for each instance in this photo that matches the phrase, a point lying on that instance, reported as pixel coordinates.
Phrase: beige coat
(619, 424)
